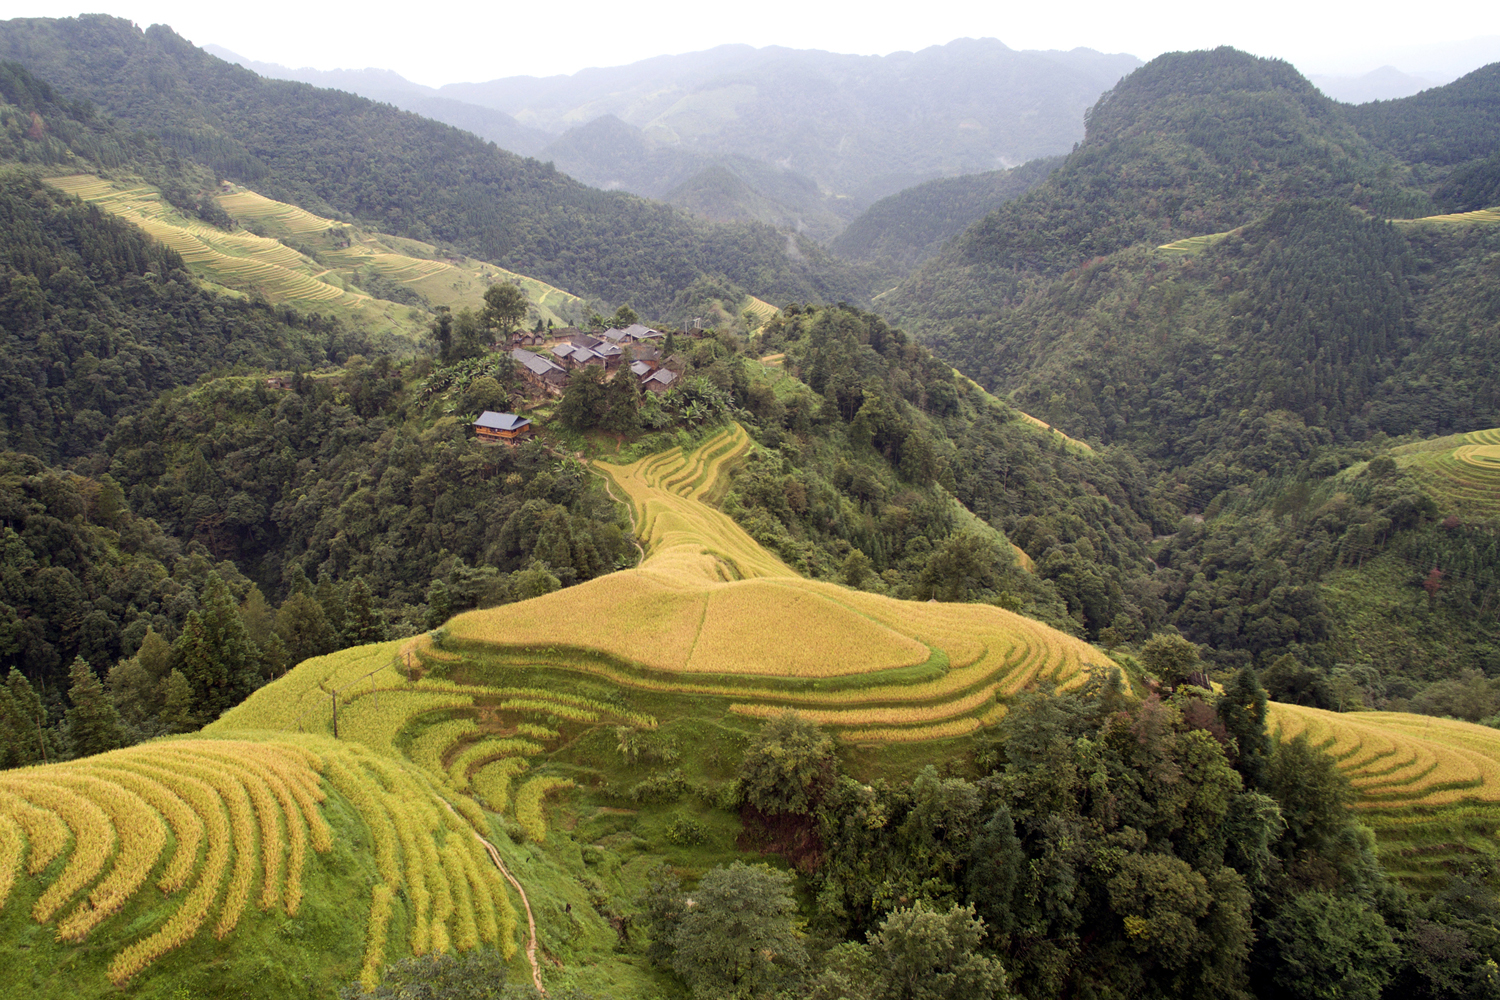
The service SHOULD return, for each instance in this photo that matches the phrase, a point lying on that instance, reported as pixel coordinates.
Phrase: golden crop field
(456, 283)
(1428, 787)
(231, 824)
(262, 261)
(1461, 471)
(710, 612)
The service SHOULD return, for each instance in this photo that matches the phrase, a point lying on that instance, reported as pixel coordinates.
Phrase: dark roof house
(505, 427)
(660, 380)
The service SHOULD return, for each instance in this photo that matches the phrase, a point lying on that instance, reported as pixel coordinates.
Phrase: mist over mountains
(857, 127)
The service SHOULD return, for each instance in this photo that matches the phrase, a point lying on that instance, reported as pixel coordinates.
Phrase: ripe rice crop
(529, 805)
(428, 749)
(375, 932)
(93, 837)
(1461, 471)
(45, 832)
(254, 807)
(186, 827)
(708, 603)
(376, 720)
(141, 837)
(492, 781)
(535, 732)
(12, 846)
(941, 731)
(1394, 758)
(486, 750)
(558, 709)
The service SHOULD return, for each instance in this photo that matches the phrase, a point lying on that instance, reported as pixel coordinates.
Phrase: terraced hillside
(261, 258)
(387, 787)
(1461, 472)
(711, 616)
(135, 858)
(1429, 787)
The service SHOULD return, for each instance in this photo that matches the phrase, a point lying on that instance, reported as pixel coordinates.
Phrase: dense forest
(901, 231)
(405, 174)
(176, 530)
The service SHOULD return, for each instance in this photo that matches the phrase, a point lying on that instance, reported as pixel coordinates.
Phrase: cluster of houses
(546, 371)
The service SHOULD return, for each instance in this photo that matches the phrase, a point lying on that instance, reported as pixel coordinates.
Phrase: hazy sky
(437, 43)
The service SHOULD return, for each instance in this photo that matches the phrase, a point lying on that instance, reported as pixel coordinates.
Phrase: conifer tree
(93, 724)
(177, 704)
(258, 615)
(1242, 709)
(236, 660)
(362, 621)
(24, 736)
(155, 654)
(194, 658)
(328, 594)
(304, 627)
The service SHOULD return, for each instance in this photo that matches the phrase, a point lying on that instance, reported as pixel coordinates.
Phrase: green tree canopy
(735, 938)
(789, 767)
(93, 724)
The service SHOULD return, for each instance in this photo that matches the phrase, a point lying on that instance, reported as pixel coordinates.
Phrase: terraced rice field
(263, 264)
(1461, 472)
(1429, 787)
(762, 309)
(1192, 245)
(711, 613)
(238, 260)
(153, 846)
(1485, 216)
(442, 281)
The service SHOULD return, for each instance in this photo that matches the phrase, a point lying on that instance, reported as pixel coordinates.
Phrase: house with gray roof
(659, 381)
(507, 428)
(541, 373)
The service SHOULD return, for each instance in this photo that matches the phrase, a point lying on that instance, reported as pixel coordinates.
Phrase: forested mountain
(1449, 133)
(861, 126)
(899, 232)
(812, 137)
(340, 154)
(1246, 368)
(388, 87)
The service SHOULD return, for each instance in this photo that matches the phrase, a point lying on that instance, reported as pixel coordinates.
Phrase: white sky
(449, 43)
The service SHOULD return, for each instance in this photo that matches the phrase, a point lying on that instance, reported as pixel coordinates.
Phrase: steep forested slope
(901, 231)
(337, 153)
(1283, 339)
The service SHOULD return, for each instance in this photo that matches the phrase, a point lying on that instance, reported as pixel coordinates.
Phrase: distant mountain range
(1384, 84)
(798, 138)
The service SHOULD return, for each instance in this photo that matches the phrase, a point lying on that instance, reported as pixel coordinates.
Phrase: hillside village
(637, 352)
(1101, 600)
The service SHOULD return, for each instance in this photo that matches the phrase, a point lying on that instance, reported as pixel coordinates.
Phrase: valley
(1082, 576)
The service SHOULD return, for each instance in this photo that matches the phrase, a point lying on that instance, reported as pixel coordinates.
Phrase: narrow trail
(536, 970)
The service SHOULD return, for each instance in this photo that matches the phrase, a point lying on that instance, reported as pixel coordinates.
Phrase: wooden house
(640, 369)
(542, 374)
(507, 428)
(659, 381)
(277, 382)
(640, 334)
(584, 340)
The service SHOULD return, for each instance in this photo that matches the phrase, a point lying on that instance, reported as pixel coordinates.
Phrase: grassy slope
(269, 257)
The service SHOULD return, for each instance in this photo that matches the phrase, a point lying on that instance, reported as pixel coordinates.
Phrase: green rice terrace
(292, 256)
(1461, 471)
(501, 780)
